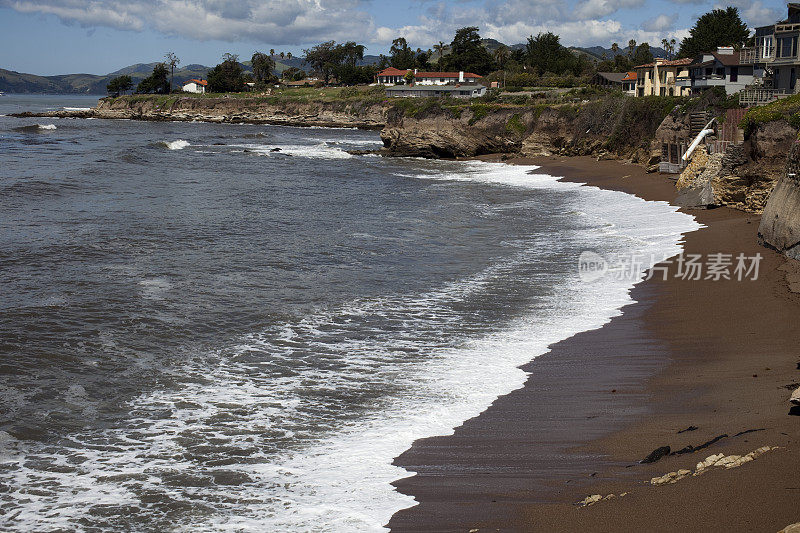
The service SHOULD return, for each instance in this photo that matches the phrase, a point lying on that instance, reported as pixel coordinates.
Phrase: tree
(288, 55)
(226, 77)
(501, 55)
(156, 82)
(439, 47)
(323, 58)
(546, 54)
(643, 55)
(401, 55)
(171, 61)
(467, 53)
(271, 52)
(119, 85)
(615, 49)
(263, 65)
(720, 27)
(282, 54)
(631, 47)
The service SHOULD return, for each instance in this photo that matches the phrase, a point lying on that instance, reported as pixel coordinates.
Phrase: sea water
(209, 327)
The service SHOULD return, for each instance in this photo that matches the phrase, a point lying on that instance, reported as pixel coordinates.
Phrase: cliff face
(743, 176)
(780, 223)
(593, 129)
(339, 113)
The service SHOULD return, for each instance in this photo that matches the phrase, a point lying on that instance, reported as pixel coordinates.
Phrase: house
(445, 78)
(629, 83)
(195, 86)
(658, 78)
(391, 76)
(722, 68)
(775, 60)
(420, 90)
(624, 81)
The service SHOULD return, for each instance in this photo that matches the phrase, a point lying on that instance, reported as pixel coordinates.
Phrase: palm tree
(439, 47)
(271, 52)
(665, 46)
(282, 55)
(172, 62)
(615, 49)
(631, 47)
(501, 55)
(288, 55)
(672, 43)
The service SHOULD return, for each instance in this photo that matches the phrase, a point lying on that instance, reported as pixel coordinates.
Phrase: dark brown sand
(716, 355)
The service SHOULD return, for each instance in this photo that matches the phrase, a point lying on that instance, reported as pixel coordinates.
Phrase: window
(734, 74)
(662, 91)
(787, 47)
(721, 71)
(442, 80)
(709, 71)
(767, 49)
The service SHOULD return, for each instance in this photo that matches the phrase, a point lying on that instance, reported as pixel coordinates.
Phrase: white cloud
(660, 23)
(274, 21)
(755, 13)
(594, 9)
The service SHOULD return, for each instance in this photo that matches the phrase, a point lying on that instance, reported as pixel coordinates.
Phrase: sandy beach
(689, 363)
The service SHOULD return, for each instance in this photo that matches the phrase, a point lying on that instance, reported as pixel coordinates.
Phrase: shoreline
(714, 355)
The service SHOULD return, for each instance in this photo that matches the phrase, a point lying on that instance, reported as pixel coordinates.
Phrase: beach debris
(593, 499)
(690, 428)
(795, 397)
(670, 477)
(692, 449)
(717, 460)
(656, 454)
(793, 528)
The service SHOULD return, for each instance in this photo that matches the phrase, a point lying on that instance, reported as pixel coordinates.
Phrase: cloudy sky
(99, 36)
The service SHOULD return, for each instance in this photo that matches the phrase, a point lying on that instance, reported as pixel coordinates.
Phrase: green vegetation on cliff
(787, 109)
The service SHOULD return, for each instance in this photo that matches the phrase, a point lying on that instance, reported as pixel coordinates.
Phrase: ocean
(216, 327)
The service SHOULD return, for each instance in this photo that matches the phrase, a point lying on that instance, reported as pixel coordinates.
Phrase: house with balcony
(424, 90)
(775, 60)
(659, 78)
(623, 81)
(721, 68)
(392, 76)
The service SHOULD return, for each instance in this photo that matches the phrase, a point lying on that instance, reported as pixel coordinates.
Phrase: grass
(784, 109)
(515, 125)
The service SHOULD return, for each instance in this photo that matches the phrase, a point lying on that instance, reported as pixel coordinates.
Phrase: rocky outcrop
(780, 223)
(341, 113)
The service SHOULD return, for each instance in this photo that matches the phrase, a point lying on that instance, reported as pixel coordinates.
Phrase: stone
(590, 500)
(795, 397)
(780, 223)
(793, 528)
(656, 454)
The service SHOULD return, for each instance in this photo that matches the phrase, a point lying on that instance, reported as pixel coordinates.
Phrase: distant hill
(18, 82)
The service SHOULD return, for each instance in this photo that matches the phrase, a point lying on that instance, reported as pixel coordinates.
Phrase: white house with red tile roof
(445, 78)
(391, 76)
(195, 86)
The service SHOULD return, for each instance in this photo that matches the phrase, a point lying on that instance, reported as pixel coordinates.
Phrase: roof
(421, 87)
(198, 82)
(630, 76)
(615, 77)
(729, 60)
(391, 71)
(445, 75)
(668, 63)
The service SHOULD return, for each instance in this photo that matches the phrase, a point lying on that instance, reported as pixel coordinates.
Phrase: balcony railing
(756, 54)
(760, 96)
(786, 28)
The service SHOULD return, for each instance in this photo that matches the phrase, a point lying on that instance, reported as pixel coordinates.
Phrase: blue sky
(98, 36)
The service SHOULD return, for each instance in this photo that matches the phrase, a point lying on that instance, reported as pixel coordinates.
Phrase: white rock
(795, 398)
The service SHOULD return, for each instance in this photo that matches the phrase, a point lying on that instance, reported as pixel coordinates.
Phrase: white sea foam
(76, 108)
(180, 144)
(46, 126)
(340, 481)
(315, 151)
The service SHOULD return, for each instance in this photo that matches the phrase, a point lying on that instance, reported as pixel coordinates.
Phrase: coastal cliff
(780, 223)
(354, 113)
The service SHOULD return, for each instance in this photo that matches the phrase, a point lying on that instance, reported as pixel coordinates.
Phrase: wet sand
(715, 355)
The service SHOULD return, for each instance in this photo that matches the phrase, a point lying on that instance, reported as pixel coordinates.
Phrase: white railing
(759, 96)
(756, 54)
